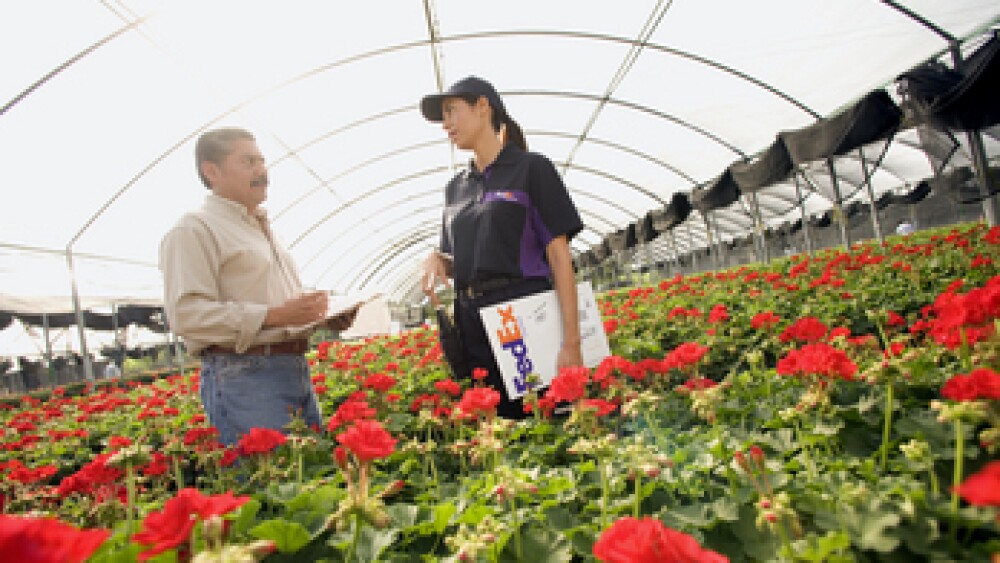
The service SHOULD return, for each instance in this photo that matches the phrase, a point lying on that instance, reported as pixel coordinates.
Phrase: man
(233, 293)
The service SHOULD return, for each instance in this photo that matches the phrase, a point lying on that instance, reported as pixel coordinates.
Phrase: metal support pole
(673, 247)
(119, 340)
(711, 243)
(691, 249)
(88, 366)
(981, 165)
(49, 375)
(806, 235)
(876, 226)
(838, 205)
(719, 244)
(758, 232)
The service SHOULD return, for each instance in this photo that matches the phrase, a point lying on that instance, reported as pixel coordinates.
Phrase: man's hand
(297, 311)
(435, 271)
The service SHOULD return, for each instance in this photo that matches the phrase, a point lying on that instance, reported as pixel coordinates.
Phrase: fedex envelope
(526, 335)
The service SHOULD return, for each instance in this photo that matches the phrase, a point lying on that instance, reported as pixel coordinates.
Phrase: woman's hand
(569, 356)
(435, 271)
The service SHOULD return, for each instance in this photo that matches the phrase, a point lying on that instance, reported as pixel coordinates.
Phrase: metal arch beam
(363, 266)
(70, 62)
(635, 152)
(634, 106)
(413, 239)
(357, 199)
(636, 42)
(375, 53)
(425, 144)
(435, 225)
(619, 180)
(436, 190)
(406, 232)
(402, 47)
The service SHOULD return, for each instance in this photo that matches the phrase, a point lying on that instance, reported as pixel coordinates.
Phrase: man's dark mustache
(260, 182)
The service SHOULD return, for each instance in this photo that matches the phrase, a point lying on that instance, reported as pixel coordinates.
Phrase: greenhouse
(789, 225)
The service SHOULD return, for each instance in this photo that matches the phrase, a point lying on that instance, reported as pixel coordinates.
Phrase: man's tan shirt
(222, 269)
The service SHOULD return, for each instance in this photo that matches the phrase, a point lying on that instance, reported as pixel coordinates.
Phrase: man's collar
(233, 207)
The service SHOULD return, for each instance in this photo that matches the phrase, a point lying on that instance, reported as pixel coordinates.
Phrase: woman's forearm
(564, 281)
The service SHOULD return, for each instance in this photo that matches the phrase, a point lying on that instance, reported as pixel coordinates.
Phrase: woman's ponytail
(512, 133)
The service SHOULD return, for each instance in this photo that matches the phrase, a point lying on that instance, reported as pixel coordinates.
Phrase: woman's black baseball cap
(430, 105)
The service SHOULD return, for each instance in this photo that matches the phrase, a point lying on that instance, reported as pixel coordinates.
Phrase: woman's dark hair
(512, 131)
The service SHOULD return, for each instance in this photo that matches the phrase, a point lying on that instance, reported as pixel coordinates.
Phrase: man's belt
(287, 347)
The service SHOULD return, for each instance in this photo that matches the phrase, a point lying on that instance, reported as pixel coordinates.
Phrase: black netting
(872, 118)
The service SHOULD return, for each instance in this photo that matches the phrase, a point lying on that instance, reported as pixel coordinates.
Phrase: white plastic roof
(634, 101)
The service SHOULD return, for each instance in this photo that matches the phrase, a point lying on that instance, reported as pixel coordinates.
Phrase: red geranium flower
(448, 386)
(367, 440)
(648, 540)
(478, 400)
(46, 540)
(806, 329)
(983, 488)
(817, 359)
(379, 382)
(570, 385)
(348, 412)
(765, 320)
(602, 407)
(980, 383)
(260, 441)
(171, 527)
(686, 355)
(718, 314)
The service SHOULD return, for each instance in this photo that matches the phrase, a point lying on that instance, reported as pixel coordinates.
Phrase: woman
(507, 223)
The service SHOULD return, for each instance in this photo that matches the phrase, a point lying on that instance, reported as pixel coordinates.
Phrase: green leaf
(246, 516)
(289, 537)
(692, 515)
(403, 515)
(538, 545)
(474, 514)
(726, 509)
(372, 542)
(442, 515)
(875, 533)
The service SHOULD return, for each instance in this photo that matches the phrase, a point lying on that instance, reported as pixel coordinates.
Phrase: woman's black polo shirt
(498, 223)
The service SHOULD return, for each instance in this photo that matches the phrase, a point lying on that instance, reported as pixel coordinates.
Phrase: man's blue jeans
(241, 392)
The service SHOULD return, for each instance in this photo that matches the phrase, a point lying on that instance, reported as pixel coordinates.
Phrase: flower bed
(838, 407)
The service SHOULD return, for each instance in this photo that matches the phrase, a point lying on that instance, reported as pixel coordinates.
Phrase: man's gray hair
(215, 145)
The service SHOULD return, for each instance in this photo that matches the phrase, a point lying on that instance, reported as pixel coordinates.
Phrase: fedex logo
(511, 341)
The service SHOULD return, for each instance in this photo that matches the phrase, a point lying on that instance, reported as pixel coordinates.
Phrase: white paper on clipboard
(526, 334)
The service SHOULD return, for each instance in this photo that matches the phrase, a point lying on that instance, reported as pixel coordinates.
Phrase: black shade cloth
(143, 315)
(675, 213)
(770, 167)
(618, 240)
(645, 230)
(823, 220)
(871, 118)
(717, 194)
(964, 99)
(917, 194)
(962, 186)
(601, 251)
